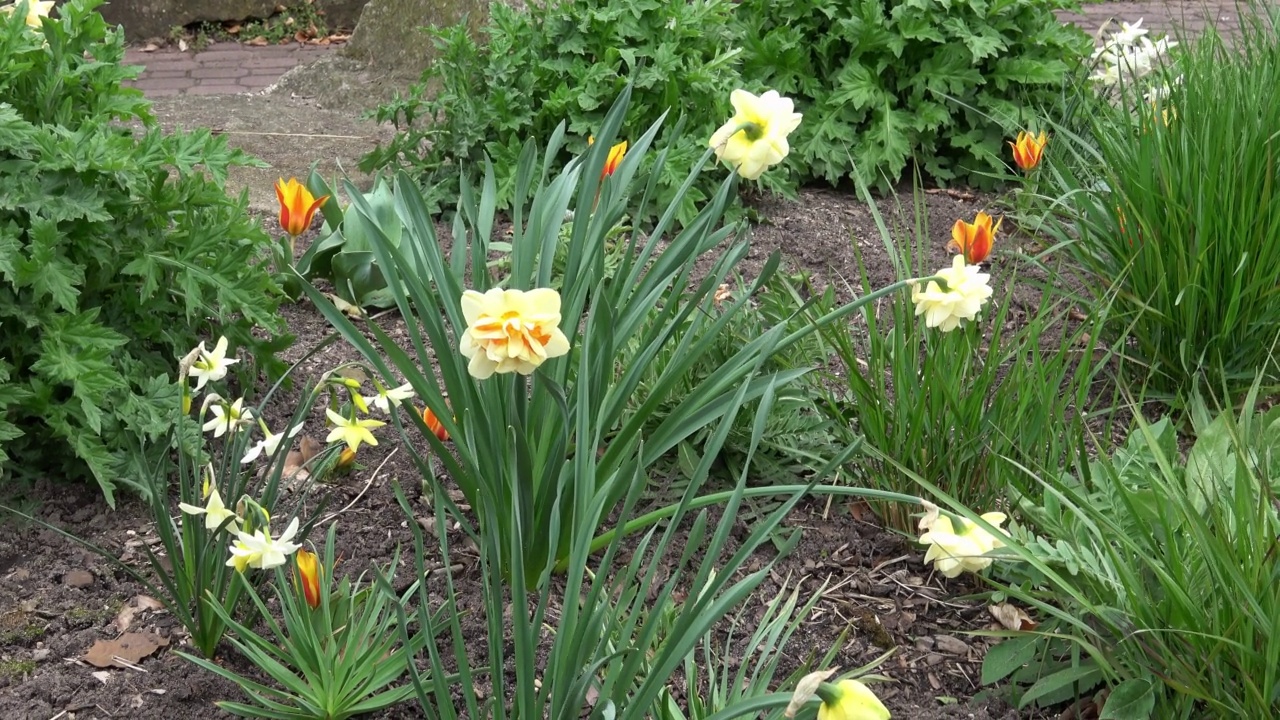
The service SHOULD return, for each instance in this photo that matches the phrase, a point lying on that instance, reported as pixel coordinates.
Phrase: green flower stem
(753, 706)
(603, 540)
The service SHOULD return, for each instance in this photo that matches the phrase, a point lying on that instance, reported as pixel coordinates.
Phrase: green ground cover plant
(118, 251)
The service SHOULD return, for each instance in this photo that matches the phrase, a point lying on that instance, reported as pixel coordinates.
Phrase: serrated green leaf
(46, 271)
(10, 250)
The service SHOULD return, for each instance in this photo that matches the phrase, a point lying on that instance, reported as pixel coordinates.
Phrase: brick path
(223, 68)
(229, 68)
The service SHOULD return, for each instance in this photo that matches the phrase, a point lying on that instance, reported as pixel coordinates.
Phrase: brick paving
(230, 68)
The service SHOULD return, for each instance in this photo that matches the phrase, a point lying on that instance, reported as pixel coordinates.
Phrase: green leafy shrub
(943, 81)
(118, 252)
(1171, 205)
(566, 61)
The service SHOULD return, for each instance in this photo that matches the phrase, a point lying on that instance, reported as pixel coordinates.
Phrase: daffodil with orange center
(1028, 149)
(974, 240)
(511, 330)
(297, 206)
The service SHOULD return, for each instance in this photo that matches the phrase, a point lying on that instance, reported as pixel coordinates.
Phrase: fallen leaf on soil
(260, 40)
(150, 47)
(139, 603)
(233, 30)
(1012, 618)
(295, 461)
(345, 307)
(101, 675)
(861, 511)
(182, 45)
(130, 647)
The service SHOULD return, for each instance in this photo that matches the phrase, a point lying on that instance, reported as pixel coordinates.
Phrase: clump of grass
(1168, 199)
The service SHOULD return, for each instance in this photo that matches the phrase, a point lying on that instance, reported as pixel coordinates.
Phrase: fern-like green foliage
(943, 82)
(118, 252)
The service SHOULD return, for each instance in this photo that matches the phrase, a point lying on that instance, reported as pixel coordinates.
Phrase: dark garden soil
(56, 599)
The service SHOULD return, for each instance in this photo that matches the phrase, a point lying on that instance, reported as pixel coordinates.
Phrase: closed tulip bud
(433, 424)
(308, 576)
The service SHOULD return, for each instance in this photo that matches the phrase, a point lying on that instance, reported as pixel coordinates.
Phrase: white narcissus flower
(967, 291)
(211, 365)
(1128, 34)
(351, 431)
(36, 9)
(214, 510)
(259, 550)
(270, 442)
(755, 138)
(228, 418)
(385, 398)
(511, 330)
(960, 546)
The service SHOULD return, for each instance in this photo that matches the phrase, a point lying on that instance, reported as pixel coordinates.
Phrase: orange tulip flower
(433, 424)
(308, 576)
(1028, 149)
(616, 153)
(297, 206)
(974, 240)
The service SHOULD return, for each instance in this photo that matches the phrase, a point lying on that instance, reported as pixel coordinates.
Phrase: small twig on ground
(356, 499)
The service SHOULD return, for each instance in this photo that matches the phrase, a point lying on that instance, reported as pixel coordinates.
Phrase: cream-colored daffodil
(36, 9)
(966, 292)
(259, 550)
(352, 431)
(215, 511)
(228, 418)
(511, 330)
(211, 365)
(755, 138)
(270, 442)
(385, 398)
(959, 546)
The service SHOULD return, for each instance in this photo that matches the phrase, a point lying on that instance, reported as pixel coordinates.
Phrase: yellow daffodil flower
(352, 431)
(36, 9)
(511, 330)
(852, 700)
(214, 511)
(960, 546)
(755, 138)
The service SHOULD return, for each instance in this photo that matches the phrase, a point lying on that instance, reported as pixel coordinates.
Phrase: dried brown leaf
(1012, 618)
(138, 604)
(130, 647)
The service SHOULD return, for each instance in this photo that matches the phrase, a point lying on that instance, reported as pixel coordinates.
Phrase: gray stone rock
(390, 37)
(144, 19)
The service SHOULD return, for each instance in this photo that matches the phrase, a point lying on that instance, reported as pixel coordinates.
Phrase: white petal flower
(260, 550)
(211, 365)
(967, 291)
(270, 442)
(385, 398)
(228, 418)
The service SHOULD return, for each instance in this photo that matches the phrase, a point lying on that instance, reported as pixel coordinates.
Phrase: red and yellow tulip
(1028, 149)
(434, 425)
(308, 576)
(616, 154)
(297, 206)
(974, 240)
